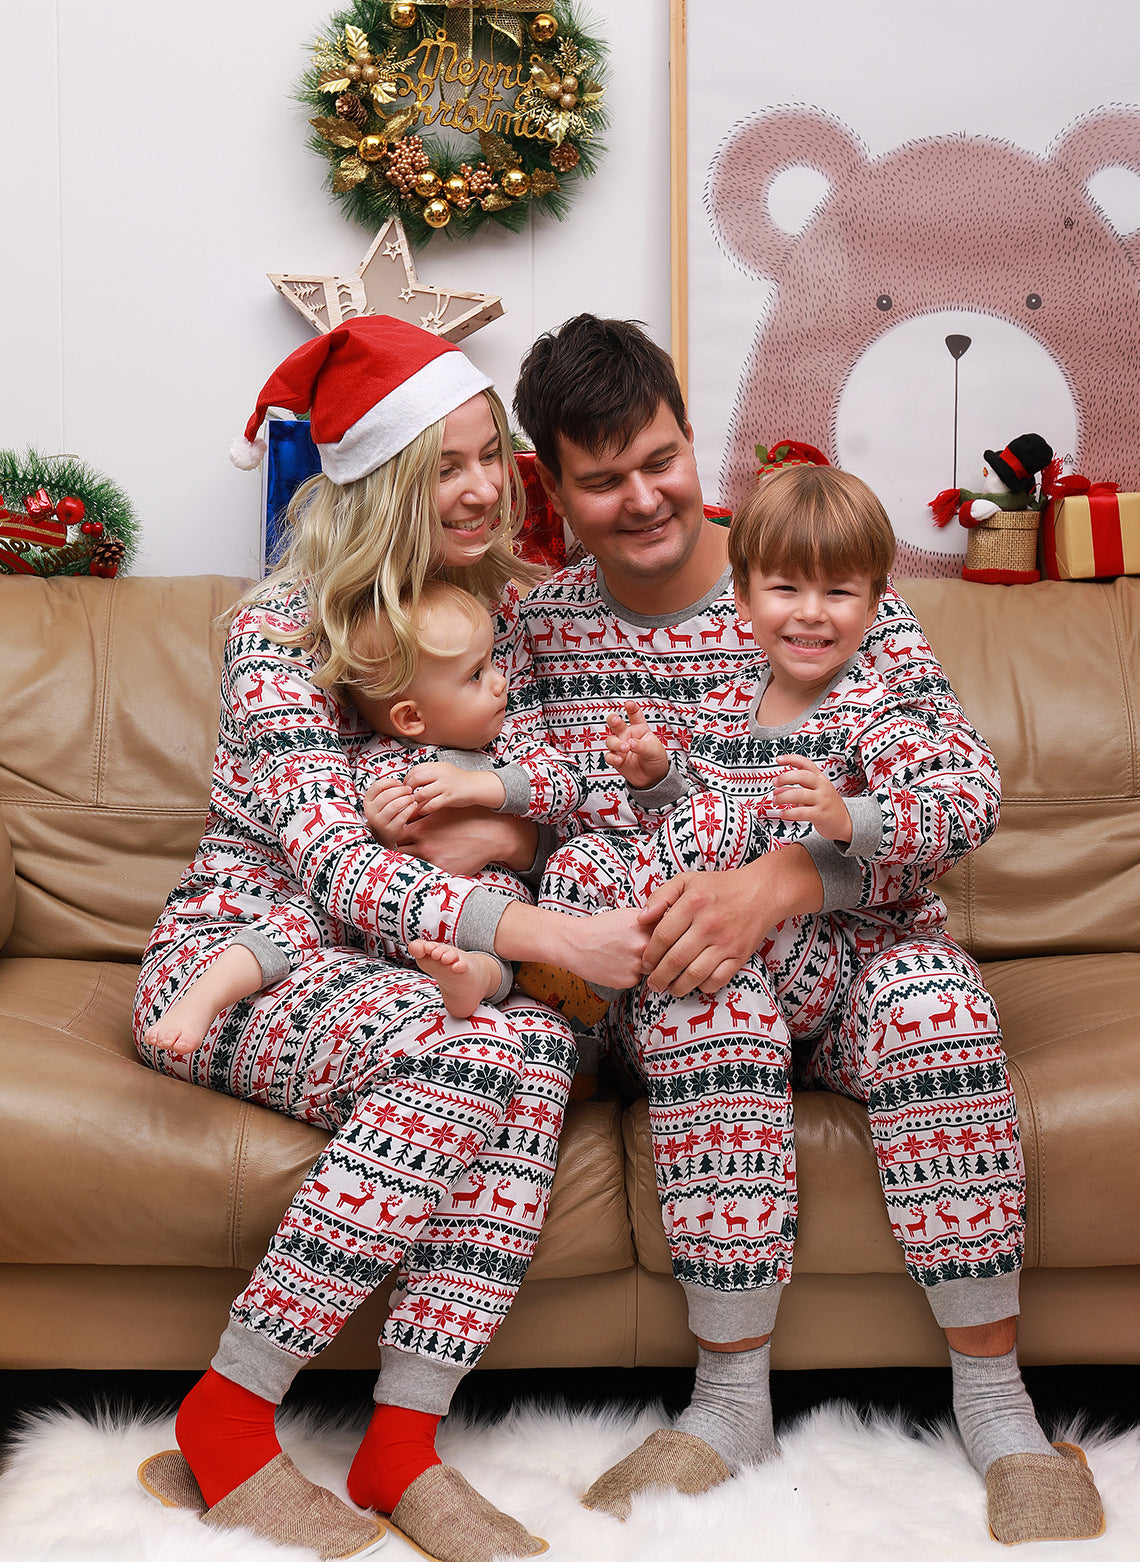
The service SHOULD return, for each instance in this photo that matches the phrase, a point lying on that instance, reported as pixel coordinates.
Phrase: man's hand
(464, 840)
(441, 785)
(707, 925)
(804, 792)
(634, 749)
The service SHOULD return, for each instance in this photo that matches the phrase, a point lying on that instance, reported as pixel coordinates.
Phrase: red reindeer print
(387, 1214)
(320, 1188)
(681, 1223)
(1010, 1211)
(668, 1032)
(741, 1016)
(596, 636)
(705, 1017)
(897, 653)
(283, 691)
(675, 639)
(228, 907)
(765, 1212)
(982, 1218)
(436, 1028)
(448, 896)
(531, 1210)
(354, 1203)
(546, 638)
(569, 639)
(257, 688)
(716, 635)
(314, 822)
(911, 1028)
(470, 1195)
(613, 812)
(718, 696)
(959, 742)
(646, 639)
(918, 1229)
(704, 1217)
(949, 1222)
(945, 1016)
(497, 1200)
(731, 1221)
(742, 696)
(867, 946)
(979, 1016)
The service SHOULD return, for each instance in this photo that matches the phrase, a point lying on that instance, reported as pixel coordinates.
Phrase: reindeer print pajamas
(444, 1131)
(719, 1070)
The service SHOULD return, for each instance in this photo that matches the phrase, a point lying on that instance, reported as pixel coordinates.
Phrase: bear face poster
(910, 237)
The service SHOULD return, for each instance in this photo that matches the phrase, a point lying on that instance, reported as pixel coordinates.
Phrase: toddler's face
(807, 628)
(462, 696)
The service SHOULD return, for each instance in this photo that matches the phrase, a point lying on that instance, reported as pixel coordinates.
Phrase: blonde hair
(816, 521)
(371, 545)
(381, 665)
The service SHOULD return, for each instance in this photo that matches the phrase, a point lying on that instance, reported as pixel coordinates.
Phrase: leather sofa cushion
(1070, 1027)
(109, 710)
(106, 1161)
(1050, 676)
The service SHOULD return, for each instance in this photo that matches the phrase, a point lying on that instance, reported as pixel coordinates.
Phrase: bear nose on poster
(895, 418)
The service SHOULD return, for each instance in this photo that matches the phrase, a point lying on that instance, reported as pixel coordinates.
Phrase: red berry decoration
(71, 510)
(92, 528)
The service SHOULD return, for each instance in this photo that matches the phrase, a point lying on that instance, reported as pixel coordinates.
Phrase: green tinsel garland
(378, 116)
(22, 476)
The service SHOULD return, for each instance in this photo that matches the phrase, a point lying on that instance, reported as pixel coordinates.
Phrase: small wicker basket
(1007, 541)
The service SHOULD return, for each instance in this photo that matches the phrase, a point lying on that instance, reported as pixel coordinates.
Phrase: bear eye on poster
(908, 237)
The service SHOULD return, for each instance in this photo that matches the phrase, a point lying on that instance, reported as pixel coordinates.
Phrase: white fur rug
(846, 1490)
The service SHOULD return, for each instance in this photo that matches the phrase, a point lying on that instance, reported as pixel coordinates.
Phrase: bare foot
(182, 1028)
(465, 977)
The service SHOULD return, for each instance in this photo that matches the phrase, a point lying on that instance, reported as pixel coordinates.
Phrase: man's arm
(706, 925)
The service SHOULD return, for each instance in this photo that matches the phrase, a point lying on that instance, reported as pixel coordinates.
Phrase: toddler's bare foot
(465, 977)
(181, 1029)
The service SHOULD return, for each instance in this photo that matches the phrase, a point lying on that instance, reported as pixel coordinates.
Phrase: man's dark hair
(595, 382)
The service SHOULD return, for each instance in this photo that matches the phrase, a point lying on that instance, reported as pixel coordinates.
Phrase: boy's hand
(440, 785)
(803, 792)
(635, 752)
(389, 806)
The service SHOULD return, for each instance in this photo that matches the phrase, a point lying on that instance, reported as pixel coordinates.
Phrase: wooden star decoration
(386, 284)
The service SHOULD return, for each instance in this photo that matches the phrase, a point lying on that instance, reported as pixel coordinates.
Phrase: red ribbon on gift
(1104, 513)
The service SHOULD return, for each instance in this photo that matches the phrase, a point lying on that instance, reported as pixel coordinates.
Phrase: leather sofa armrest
(7, 885)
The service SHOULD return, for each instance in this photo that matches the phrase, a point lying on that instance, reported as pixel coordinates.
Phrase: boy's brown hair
(816, 521)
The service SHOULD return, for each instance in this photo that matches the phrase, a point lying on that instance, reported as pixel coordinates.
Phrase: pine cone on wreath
(106, 556)
(349, 106)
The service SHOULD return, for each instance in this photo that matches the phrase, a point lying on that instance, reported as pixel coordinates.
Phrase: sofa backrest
(108, 720)
(108, 723)
(1049, 675)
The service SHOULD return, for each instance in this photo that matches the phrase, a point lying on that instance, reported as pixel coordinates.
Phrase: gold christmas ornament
(402, 15)
(437, 213)
(542, 182)
(428, 184)
(544, 27)
(515, 183)
(455, 188)
(372, 148)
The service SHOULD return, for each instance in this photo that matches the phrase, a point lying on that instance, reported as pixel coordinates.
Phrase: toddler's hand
(389, 806)
(441, 785)
(634, 750)
(803, 792)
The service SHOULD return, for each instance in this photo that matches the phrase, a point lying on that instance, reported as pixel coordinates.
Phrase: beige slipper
(278, 1503)
(677, 1460)
(1039, 1497)
(445, 1519)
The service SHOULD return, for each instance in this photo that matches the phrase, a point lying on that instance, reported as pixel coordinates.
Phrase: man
(649, 616)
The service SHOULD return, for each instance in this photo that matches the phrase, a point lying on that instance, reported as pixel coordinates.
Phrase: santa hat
(787, 452)
(370, 386)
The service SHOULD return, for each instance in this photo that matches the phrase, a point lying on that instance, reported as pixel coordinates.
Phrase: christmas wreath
(517, 85)
(58, 517)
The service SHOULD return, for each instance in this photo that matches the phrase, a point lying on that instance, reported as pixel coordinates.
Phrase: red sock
(398, 1445)
(226, 1434)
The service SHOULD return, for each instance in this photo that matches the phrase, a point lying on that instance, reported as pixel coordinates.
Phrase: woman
(433, 1118)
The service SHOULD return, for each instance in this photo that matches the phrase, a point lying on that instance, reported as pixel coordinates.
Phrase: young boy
(440, 741)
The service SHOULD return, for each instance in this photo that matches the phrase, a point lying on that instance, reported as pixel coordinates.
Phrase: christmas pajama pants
(909, 1030)
(443, 1149)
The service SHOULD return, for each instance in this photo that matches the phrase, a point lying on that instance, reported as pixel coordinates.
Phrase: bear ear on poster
(965, 237)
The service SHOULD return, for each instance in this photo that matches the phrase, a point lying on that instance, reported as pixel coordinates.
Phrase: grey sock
(993, 1411)
(731, 1407)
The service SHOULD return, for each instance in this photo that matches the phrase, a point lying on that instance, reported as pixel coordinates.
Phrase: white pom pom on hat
(371, 386)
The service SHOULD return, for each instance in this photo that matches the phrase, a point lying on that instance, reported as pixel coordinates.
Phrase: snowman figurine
(1003, 515)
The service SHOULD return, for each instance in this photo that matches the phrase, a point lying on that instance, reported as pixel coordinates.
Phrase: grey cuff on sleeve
(842, 876)
(672, 787)
(866, 827)
(516, 785)
(479, 919)
(548, 844)
(273, 961)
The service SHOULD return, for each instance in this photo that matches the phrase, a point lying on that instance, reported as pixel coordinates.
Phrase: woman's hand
(803, 792)
(441, 785)
(389, 807)
(634, 749)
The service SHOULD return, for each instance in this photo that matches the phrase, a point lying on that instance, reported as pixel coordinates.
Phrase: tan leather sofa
(134, 1205)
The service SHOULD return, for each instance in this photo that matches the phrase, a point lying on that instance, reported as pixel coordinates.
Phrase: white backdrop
(154, 168)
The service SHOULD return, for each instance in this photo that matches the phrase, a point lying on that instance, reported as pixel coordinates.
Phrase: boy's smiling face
(807, 628)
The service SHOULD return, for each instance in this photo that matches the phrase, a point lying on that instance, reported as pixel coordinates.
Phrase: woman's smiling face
(470, 482)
